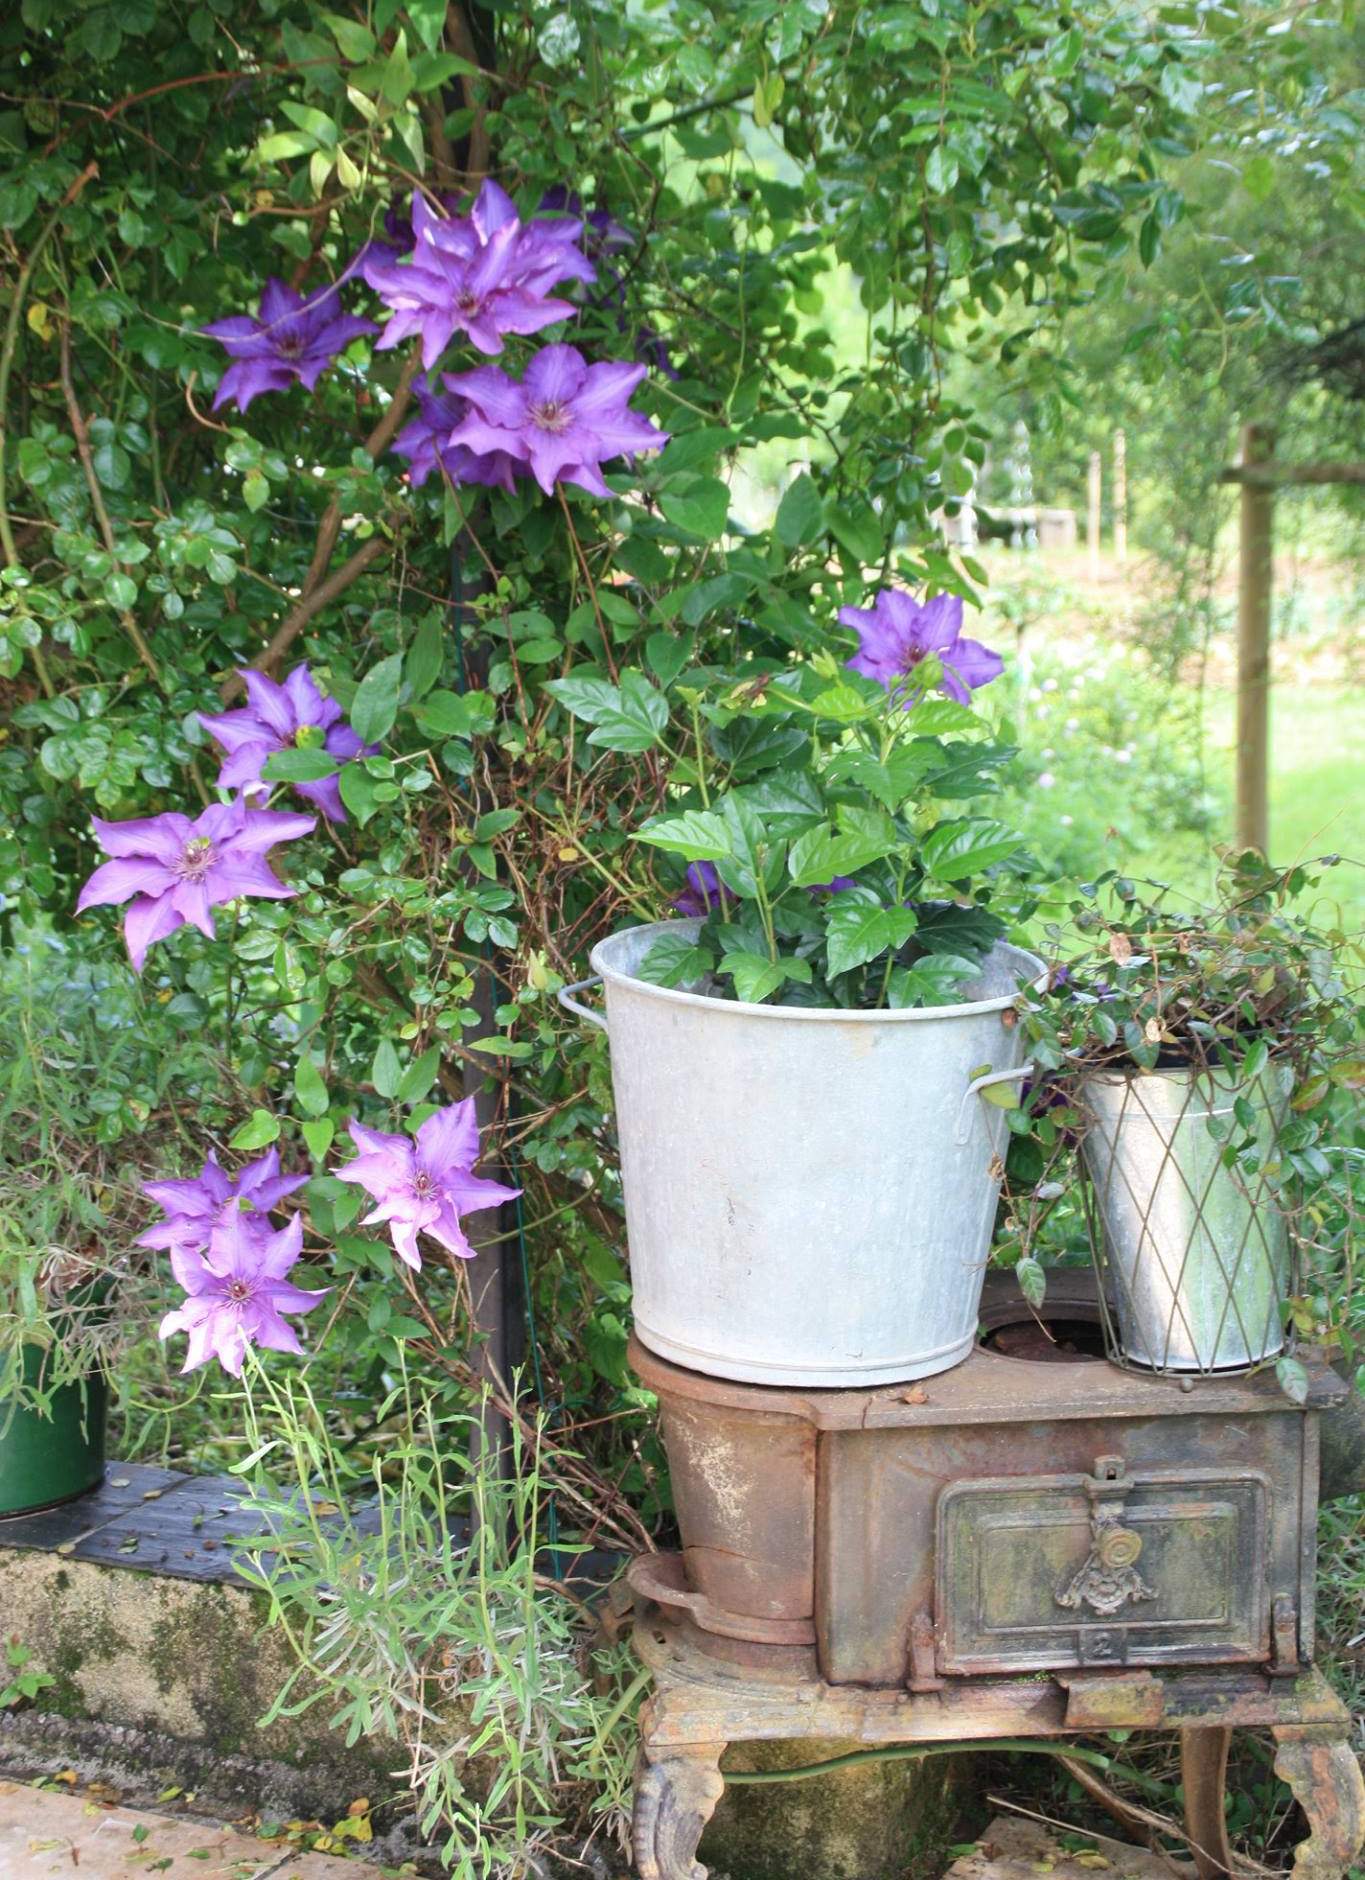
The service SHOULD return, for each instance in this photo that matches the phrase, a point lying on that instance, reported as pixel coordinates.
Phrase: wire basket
(1191, 1242)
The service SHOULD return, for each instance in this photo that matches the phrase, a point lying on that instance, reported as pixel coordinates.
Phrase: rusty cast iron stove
(1031, 1545)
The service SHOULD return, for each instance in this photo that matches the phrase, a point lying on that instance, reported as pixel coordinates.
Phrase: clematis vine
(898, 632)
(292, 716)
(172, 871)
(423, 441)
(565, 419)
(485, 274)
(195, 1207)
(423, 1184)
(290, 339)
(238, 1291)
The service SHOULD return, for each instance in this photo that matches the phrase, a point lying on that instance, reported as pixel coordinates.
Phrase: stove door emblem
(1109, 1577)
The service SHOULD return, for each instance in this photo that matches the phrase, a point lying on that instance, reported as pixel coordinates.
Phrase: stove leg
(676, 1792)
(1203, 1774)
(1325, 1780)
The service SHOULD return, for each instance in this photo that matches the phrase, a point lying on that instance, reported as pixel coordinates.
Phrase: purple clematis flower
(195, 1208)
(424, 1184)
(292, 716)
(238, 1292)
(423, 442)
(485, 275)
(291, 338)
(897, 632)
(566, 418)
(704, 892)
(173, 870)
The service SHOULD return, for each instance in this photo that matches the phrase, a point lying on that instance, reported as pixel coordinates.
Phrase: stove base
(701, 1704)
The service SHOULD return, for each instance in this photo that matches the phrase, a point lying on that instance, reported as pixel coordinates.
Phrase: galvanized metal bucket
(809, 1193)
(1196, 1256)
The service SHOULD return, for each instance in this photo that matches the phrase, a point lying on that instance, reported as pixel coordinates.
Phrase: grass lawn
(1317, 786)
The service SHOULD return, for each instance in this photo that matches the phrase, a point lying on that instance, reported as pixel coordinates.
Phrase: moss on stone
(888, 1820)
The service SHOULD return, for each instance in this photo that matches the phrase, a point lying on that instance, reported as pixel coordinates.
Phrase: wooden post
(1092, 514)
(1120, 497)
(1256, 561)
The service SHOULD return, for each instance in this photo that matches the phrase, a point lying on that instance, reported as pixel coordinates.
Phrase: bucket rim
(613, 976)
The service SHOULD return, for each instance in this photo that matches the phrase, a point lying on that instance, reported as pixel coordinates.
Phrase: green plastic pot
(57, 1456)
(49, 1459)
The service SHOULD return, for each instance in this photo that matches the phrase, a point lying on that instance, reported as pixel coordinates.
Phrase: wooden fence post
(1092, 514)
(1120, 497)
(1256, 562)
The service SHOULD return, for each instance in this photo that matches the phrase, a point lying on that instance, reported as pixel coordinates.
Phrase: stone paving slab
(1016, 1849)
(46, 1833)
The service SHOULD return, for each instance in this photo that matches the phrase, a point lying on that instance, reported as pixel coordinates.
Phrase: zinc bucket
(809, 1192)
(1195, 1256)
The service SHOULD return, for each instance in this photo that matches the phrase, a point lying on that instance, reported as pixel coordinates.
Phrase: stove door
(1153, 1568)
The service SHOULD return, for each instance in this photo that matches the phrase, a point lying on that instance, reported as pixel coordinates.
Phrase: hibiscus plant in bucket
(1208, 1063)
(810, 1179)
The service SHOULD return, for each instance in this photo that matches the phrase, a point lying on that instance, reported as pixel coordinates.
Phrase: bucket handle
(964, 1129)
(570, 1004)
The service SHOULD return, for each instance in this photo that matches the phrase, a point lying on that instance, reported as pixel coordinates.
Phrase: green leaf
(698, 504)
(120, 590)
(306, 765)
(820, 854)
(455, 714)
(633, 722)
(1255, 1061)
(318, 1135)
(1292, 1379)
(941, 170)
(674, 960)
(309, 119)
(257, 1132)
(1032, 1282)
(859, 928)
(937, 979)
(358, 789)
(354, 41)
(422, 666)
(255, 491)
(420, 1075)
(1258, 177)
(699, 835)
(397, 80)
(955, 850)
(754, 975)
(309, 1088)
(375, 705)
(667, 654)
(800, 514)
(855, 526)
(283, 144)
(587, 695)
(386, 1073)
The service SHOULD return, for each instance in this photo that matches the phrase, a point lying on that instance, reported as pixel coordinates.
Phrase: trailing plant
(1249, 994)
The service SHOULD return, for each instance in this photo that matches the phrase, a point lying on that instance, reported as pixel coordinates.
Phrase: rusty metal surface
(991, 1387)
(663, 1579)
(699, 1698)
(1325, 1780)
(864, 1513)
(744, 1489)
(1203, 1777)
(1044, 1571)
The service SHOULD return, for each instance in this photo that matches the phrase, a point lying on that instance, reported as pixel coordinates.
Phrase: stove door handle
(964, 1129)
